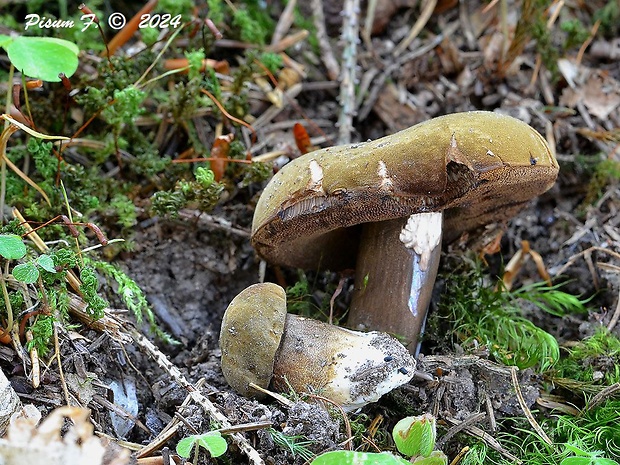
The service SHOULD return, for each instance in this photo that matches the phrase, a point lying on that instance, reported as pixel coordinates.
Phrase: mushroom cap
(478, 167)
(250, 335)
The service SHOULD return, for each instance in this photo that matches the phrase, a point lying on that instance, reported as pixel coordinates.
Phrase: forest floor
(554, 66)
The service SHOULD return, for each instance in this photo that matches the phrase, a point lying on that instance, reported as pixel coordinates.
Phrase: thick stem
(392, 292)
(349, 367)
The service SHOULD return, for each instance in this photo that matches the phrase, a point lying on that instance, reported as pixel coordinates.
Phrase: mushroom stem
(396, 268)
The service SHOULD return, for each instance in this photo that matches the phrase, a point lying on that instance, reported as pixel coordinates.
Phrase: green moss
(576, 33)
(609, 16)
(605, 173)
(482, 311)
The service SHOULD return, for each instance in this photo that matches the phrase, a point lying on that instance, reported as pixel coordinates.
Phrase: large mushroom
(262, 345)
(377, 207)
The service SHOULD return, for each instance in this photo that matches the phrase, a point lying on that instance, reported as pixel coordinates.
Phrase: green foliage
(89, 288)
(272, 61)
(41, 57)
(255, 173)
(125, 209)
(347, 457)
(195, 59)
(576, 33)
(126, 106)
(132, 296)
(44, 161)
(415, 436)
(252, 24)
(216, 11)
(609, 16)
(605, 173)
(298, 296)
(492, 316)
(583, 457)
(303, 21)
(176, 7)
(595, 429)
(42, 332)
(296, 444)
(28, 272)
(12, 246)
(212, 442)
(202, 193)
(600, 352)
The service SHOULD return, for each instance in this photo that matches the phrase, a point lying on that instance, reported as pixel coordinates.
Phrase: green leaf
(347, 457)
(43, 57)
(26, 273)
(12, 247)
(436, 458)
(46, 262)
(415, 436)
(214, 443)
(185, 445)
(5, 40)
(576, 450)
(576, 461)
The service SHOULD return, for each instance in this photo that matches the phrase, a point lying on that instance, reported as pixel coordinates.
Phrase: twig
(371, 8)
(574, 258)
(488, 439)
(526, 409)
(380, 81)
(425, 15)
(61, 374)
(475, 418)
(284, 22)
(350, 38)
(333, 70)
(213, 222)
(615, 316)
(211, 410)
(601, 397)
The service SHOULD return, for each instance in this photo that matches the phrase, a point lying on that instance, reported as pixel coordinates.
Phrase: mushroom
(380, 204)
(263, 345)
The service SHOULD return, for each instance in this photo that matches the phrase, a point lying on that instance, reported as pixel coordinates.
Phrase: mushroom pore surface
(478, 167)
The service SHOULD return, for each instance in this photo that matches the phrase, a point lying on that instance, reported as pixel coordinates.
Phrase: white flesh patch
(316, 177)
(422, 233)
(386, 182)
(367, 366)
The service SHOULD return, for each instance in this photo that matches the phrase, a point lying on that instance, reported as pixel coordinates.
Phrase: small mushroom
(380, 204)
(264, 345)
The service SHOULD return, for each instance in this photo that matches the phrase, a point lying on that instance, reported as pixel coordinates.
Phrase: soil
(192, 267)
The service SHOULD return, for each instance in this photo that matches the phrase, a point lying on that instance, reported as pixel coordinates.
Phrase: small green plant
(583, 457)
(12, 247)
(212, 442)
(295, 444)
(348, 457)
(414, 437)
(28, 272)
(492, 316)
(41, 57)
(605, 173)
